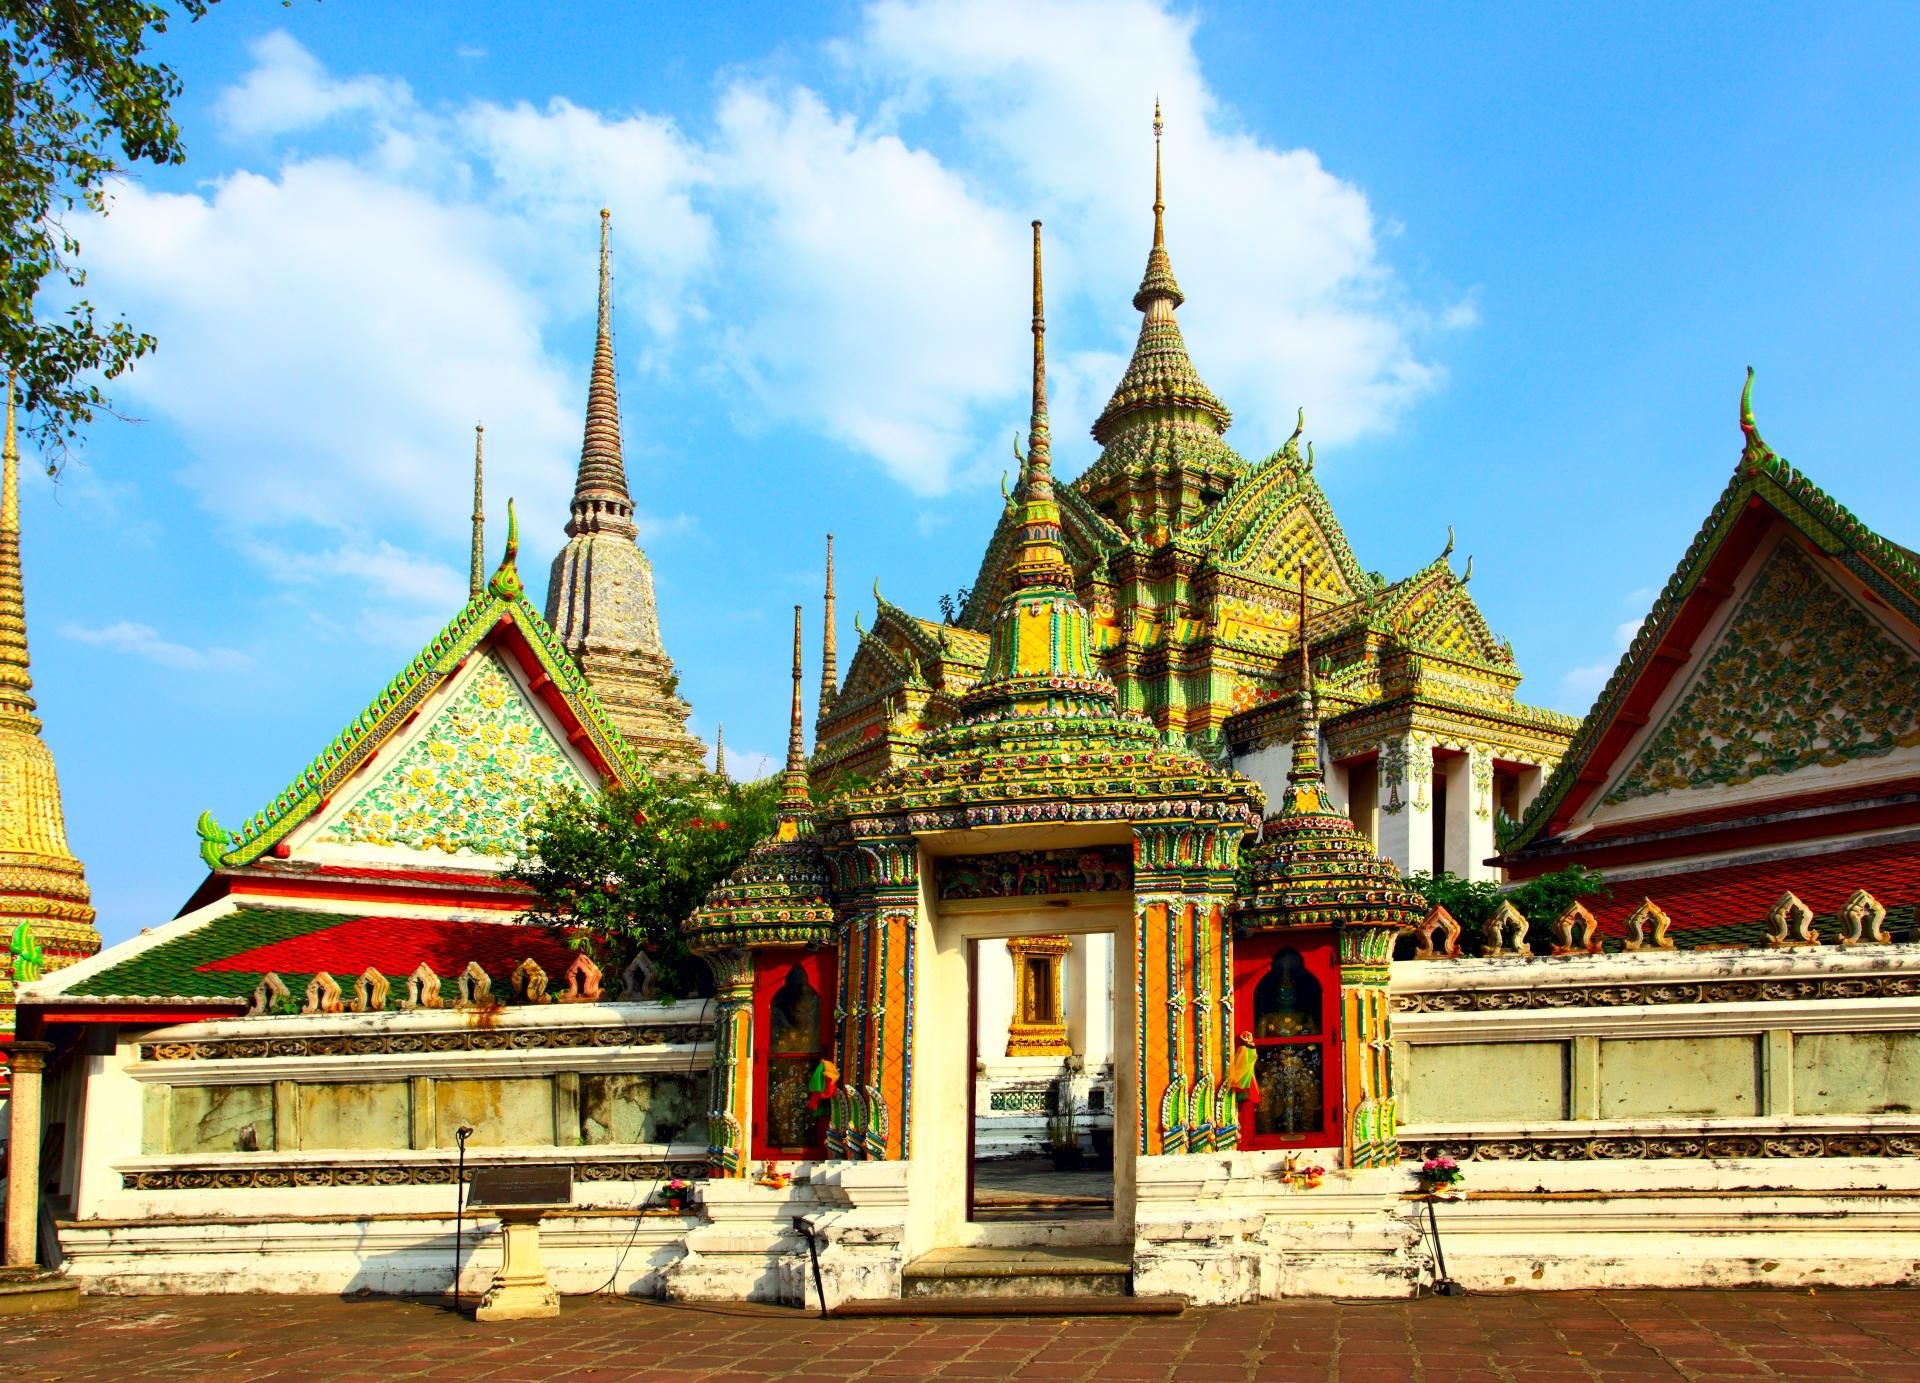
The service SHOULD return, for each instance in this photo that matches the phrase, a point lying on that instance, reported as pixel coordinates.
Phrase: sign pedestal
(520, 1195)
(520, 1290)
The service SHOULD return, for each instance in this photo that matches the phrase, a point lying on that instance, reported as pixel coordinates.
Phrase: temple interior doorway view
(1043, 1093)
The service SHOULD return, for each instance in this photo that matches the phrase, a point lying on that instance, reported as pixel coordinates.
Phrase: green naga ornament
(29, 961)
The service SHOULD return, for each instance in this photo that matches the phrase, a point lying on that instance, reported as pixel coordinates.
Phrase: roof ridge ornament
(506, 583)
(1755, 452)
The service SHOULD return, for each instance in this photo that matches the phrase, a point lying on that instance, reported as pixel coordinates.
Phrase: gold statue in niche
(1039, 1026)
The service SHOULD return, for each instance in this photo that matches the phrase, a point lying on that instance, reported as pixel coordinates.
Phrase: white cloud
(289, 90)
(749, 765)
(1290, 300)
(144, 642)
(333, 325)
(886, 292)
(1582, 684)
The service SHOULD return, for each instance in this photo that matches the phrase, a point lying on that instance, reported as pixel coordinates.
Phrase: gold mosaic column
(871, 1116)
(729, 1114)
(1371, 1128)
(1183, 988)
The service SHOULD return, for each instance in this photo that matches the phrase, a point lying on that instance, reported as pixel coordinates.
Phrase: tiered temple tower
(600, 595)
(1186, 557)
(44, 904)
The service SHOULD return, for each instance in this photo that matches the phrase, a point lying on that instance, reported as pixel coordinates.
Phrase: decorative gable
(468, 780)
(1801, 674)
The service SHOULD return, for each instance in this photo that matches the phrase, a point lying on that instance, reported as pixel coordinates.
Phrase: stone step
(1015, 1306)
(1019, 1273)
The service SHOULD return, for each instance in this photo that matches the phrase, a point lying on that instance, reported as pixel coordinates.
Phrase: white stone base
(1216, 1228)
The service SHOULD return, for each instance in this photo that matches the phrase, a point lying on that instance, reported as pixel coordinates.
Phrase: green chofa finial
(215, 841)
(506, 582)
(29, 961)
(1755, 450)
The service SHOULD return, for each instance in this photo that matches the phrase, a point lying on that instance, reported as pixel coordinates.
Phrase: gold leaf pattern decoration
(1801, 675)
(471, 782)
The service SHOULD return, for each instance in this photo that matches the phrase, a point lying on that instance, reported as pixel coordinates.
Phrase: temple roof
(500, 616)
(221, 952)
(1042, 736)
(1764, 491)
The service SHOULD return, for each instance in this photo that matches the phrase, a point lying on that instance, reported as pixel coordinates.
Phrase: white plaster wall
(994, 997)
(1268, 767)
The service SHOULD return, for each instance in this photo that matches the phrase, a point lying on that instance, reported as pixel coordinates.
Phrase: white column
(1470, 814)
(26, 1060)
(1406, 803)
(1088, 981)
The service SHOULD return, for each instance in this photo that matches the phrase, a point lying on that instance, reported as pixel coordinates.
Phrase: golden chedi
(46, 918)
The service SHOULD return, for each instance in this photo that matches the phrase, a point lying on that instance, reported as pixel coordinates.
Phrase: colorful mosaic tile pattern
(1801, 675)
(471, 782)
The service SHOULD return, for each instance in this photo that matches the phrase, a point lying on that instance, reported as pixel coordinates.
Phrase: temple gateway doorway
(1026, 953)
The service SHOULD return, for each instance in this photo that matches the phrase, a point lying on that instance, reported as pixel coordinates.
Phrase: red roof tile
(1744, 893)
(396, 945)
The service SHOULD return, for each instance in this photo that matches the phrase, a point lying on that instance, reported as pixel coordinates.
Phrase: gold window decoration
(1039, 1026)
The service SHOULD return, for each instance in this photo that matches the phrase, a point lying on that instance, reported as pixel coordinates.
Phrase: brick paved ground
(1616, 1337)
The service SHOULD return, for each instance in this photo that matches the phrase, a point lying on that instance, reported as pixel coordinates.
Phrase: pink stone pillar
(27, 1060)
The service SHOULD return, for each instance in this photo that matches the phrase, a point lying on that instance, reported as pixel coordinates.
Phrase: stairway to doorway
(1031, 1281)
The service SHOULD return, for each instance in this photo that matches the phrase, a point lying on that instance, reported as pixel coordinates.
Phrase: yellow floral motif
(1802, 675)
(471, 782)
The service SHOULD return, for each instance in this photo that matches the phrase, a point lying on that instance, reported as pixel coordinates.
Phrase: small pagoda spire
(719, 750)
(1306, 739)
(1158, 283)
(1161, 375)
(601, 503)
(16, 679)
(477, 556)
(1040, 558)
(829, 659)
(796, 805)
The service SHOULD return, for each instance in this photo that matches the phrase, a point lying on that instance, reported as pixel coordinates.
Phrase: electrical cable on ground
(607, 1288)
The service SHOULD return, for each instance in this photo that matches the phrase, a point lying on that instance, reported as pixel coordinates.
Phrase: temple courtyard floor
(1537, 1338)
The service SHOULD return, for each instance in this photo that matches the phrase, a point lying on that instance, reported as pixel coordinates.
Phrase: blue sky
(1513, 264)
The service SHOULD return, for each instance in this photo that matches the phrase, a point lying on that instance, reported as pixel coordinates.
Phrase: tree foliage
(83, 101)
(620, 871)
(1540, 900)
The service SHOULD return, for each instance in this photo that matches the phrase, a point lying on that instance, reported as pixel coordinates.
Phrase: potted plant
(1439, 1175)
(676, 1194)
(1063, 1139)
